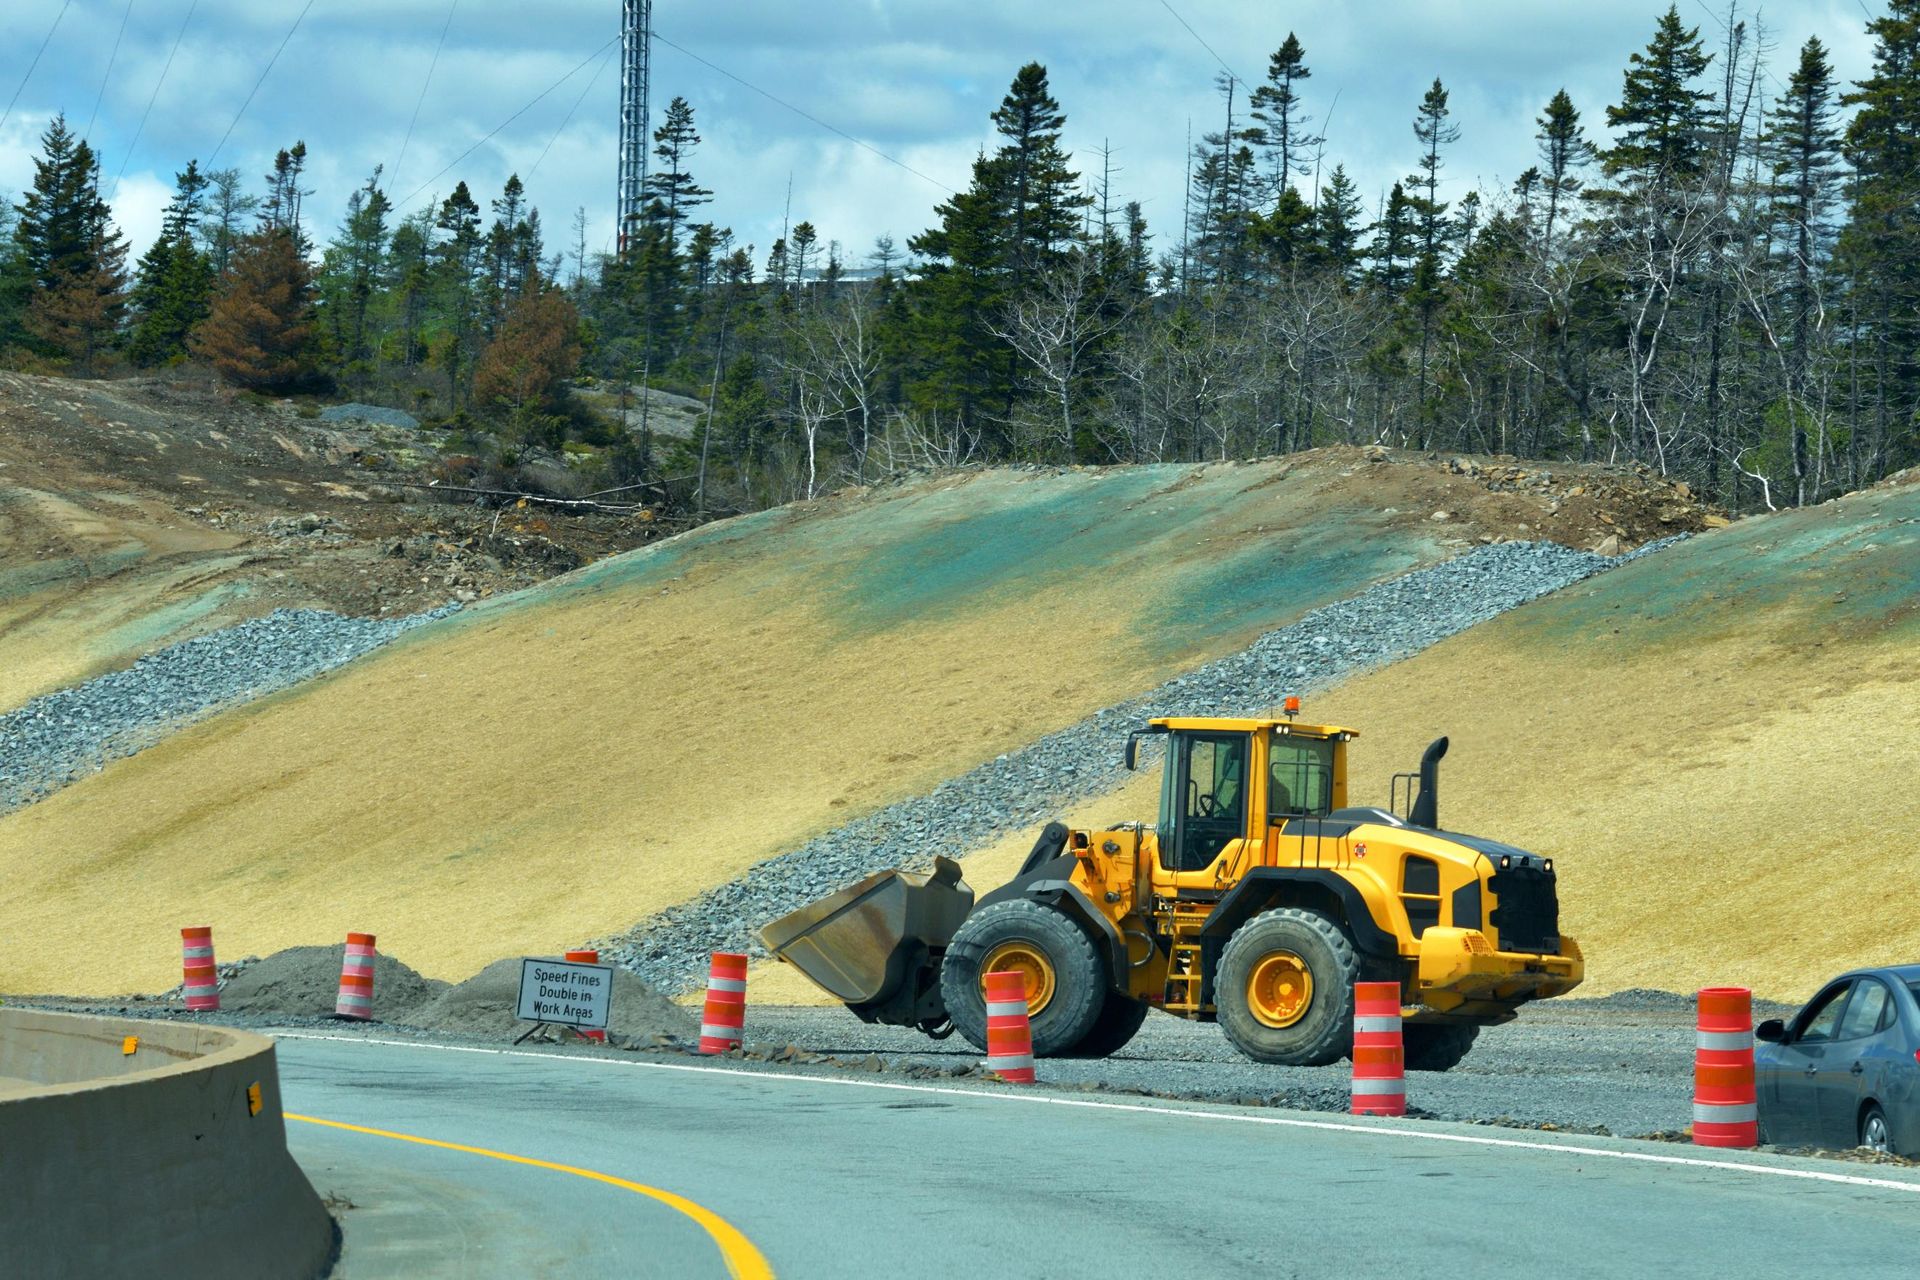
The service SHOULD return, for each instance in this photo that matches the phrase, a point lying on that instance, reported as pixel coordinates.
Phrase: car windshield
(1915, 988)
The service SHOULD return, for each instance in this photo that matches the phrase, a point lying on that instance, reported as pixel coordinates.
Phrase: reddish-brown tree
(259, 333)
(538, 347)
(79, 311)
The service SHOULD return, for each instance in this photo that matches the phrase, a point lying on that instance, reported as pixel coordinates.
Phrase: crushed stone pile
(63, 736)
(301, 982)
(1382, 624)
(484, 1007)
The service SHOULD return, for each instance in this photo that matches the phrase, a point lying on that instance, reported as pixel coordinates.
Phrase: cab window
(1300, 776)
(1206, 797)
(1866, 1012)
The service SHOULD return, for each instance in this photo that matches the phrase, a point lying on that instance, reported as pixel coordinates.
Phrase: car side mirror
(1772, 1030)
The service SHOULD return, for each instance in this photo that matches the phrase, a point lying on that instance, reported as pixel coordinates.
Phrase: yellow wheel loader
(1257, 900)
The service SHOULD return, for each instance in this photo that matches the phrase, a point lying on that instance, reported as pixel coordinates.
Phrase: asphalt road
(851, 1175)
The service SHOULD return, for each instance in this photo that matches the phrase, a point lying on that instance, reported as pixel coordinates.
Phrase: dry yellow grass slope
(561, 764)
(1717, 746)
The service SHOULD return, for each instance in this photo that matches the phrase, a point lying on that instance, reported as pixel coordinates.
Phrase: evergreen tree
(1564, 151)
(1282, 127)
(1337, 226)
(259, 333)
(456, 259)
(285, 195)
(70, 251)
(353, 272)
(228, 208)
(672, 193)
(1660, 123)
(1395, 236)
(174, 283)
(1803, 148)
(1881, 242)
(1042, 192)
(1429, 212)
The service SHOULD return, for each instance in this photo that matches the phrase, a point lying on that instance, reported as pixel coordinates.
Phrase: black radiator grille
(1526, 908)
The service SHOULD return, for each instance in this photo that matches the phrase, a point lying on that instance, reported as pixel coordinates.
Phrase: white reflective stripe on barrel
(1004, 1064)
(197, 953)
(1005, 1008)
(1379, 1086)
(1387, 1022)
(1725, 1112)
(726, 984)
(1724, 1039)
(712, 1032)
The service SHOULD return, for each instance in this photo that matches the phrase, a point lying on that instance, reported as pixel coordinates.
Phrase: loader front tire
(1437, 1046)
(1119, 1021)
(1284, 989)
(1066, 979)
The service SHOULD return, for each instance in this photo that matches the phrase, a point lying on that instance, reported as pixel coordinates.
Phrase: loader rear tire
(1437, 1046)
(1119, 1021)
(1069, 999)
(1284, 989)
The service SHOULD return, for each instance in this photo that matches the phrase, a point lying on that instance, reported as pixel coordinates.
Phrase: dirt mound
(484, 1006)
(303, 981)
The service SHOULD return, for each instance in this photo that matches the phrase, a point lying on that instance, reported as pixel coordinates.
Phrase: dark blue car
(1845, 1070)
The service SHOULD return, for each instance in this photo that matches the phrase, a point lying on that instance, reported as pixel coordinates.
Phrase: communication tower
(636, 26)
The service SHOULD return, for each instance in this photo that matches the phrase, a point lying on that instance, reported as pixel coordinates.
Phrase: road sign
(570, 995)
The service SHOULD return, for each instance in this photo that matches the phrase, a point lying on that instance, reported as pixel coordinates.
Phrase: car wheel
(1874, 1132)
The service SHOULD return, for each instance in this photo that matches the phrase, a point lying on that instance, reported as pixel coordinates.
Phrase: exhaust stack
(1426, 806)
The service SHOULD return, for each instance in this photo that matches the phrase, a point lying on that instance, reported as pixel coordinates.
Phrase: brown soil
(138, 512)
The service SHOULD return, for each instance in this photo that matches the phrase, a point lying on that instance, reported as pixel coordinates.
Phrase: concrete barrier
(170, 1159)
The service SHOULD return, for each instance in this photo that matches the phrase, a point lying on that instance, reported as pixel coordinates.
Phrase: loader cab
(1226, 781)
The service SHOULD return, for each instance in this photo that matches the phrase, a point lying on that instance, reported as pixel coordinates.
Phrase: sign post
(565, 994)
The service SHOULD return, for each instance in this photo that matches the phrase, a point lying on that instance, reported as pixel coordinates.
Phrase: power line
(264, 72)
(8, 113)
(155, 95)
(421, 100)
(111, 59)
(858, 142)
(509, 120)
(604, 64)
(1203, 44)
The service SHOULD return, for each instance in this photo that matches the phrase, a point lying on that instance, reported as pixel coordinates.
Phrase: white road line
(1382, 1130)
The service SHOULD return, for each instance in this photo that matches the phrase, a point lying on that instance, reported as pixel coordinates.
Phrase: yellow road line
(744, 1262)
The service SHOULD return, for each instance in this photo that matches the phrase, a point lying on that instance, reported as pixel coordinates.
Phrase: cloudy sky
(914, 79)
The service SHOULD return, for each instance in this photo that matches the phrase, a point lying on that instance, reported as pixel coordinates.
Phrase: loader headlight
(1506, 861)
(1548, 864)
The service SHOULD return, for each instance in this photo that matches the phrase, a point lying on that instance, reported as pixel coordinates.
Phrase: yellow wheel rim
(1279, 989)
(1031, 963)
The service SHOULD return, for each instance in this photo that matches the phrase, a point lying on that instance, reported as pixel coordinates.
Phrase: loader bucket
(869, 944)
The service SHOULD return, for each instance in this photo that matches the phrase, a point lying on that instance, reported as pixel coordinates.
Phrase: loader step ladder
(1183, 978)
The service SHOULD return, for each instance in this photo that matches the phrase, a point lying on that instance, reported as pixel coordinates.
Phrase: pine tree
(285, 195)
(522, 373)
(1395, 236)
(1426, 291)
(670, 189)
(70, 251)
(1564, 150)
(1043, 193)
(1881, 242)
(227, 210)
(456, 258)
(353, 272)
(1282, 125)
(259, 333)
(1803, 148)
(175, 279)
(1660, 123)
(1336, 226)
